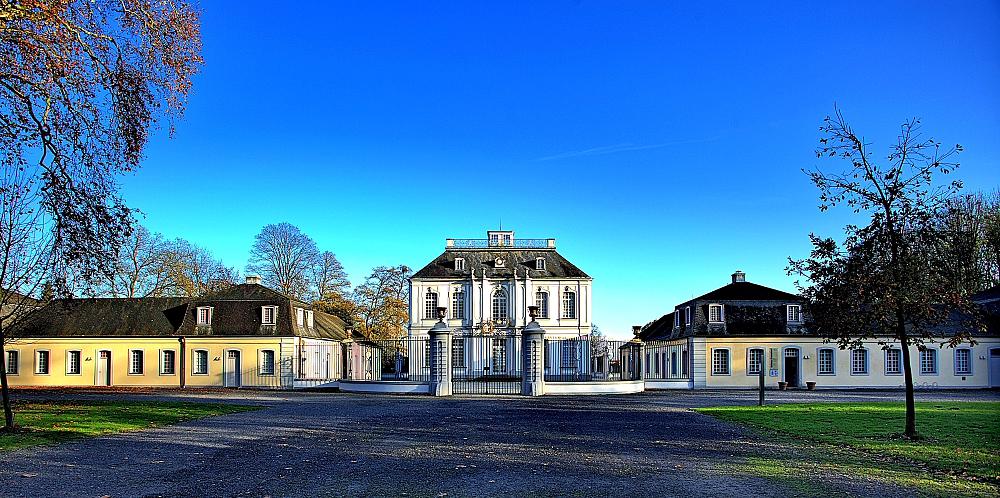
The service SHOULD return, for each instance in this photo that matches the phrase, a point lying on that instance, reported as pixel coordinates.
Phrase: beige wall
(843, 376)
(250, 349)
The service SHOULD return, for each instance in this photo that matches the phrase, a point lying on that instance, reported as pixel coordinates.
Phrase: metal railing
(320, 362)
(665, 361)
(588, 359)
(515, 244)
(393, 360)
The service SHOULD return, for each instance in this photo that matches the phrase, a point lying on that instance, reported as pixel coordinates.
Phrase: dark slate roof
(987, 296)
(659, 329)
(479, 260)
(747, 291)
(105, 317)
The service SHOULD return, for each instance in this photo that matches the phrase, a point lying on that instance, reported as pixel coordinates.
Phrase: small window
(859, 362)
(825, 363)
(459, 264)
(542, 301)
(204, 315)
(893, 361)
(42, 362)
(199, 362)
(430, 305)
(72, 363)
(300, 317)
(135, 362)
(963, 361)
(755, 361)
(720, 362)
(269, 315)
(715, 313)
(569, 304)
(168, 359)
(267, 362)
(794, 313)
(13, 359)
(677, 318)
(687, 316)
(458, 352)
(458, 304)
(539, 263)
(928, 361)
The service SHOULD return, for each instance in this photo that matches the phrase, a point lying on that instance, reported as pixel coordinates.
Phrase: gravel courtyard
(330, 444)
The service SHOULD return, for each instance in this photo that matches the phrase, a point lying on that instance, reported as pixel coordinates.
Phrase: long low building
(246, 335)
(726, 337)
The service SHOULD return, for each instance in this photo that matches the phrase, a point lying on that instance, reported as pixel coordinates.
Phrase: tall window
(499, 355)
(199, 362)
(687, 316)
(928, 361)
(269, 315)
(267, 362)
(859, 361)
(569, 304)
(755, 361)
(458, 304)
(42, 362)
(542, 301)
(204, 315)
(715, 313)
(673, 363)
(13, 357)
(684, 362)
(824, 362)
(720, 362)
(73, 362)
(677, 318)
(430, 304)
(168, 359)
(310, 316)
(500, 305)
(794, 312)
(458, 352)
(568, 358)
(893, 361)
(135, 362)
(300, 316)
(963, 362)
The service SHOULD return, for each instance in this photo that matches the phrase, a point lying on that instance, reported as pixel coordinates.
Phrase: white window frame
(38, 362)
(499, 305)
(17, 362)
(263, 315)
(677, 318)
(310, 318)
(542, 301)
(194, 362)
(833, 361)
(163, 363)
(934, 354)
(763, 357)
(459, 264)
(867, 363)
(79, 362)
(899, 361)
(458, 352)
(540, 263)
(300, 316)
(798, 313)
(569, 305)
(205, 319)
(729, 362)
(687, 316)
(262, 363)
(431, 303)
(131, 362)
(968, 370)
(722, 313)
(458, 304)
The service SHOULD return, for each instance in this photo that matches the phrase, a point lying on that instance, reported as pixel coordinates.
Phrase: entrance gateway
(486, 364)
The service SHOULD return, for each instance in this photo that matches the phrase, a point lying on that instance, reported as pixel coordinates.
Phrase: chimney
(739, 276)
(253, 279)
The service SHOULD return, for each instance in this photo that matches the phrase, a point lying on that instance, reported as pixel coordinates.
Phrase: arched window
(430, 304)
(500, 305)
(569, 304)
(542, 301)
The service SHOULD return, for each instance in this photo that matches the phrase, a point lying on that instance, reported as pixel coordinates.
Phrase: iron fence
(590, 359)
(665, 361)
(405, 359)
(488, 364)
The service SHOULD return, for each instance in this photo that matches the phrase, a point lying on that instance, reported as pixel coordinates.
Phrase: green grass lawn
(56, 421)
(958, 449)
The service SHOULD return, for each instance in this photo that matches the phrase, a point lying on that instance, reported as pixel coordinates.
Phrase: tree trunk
(8, 412)
(911, 415)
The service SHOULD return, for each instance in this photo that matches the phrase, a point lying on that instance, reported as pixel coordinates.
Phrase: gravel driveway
(319, 444)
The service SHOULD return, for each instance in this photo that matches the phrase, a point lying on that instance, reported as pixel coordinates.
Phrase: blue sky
(660, 144)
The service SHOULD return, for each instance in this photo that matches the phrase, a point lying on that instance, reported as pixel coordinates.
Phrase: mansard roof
(483, 260)
(236, 311)
(658, 330)
(747, 291)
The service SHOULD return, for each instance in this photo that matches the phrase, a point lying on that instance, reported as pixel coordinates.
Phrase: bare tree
(25, 252)
(195, 271)
(327, 276)
(141, 268)
(284, 257)
(382, 302)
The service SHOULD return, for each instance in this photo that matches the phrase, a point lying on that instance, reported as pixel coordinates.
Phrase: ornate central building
(488, 284)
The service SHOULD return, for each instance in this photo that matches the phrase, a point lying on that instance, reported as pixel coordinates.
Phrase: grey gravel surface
(331, 444)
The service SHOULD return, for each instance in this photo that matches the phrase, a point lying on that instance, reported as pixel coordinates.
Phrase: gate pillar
(440, 367)
(533, 357)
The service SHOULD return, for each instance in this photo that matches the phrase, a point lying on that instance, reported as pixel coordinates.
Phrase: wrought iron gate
(487, 364)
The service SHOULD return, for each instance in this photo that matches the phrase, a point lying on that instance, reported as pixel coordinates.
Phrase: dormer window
(204, 315)
(539, 263)
(300, 316)
(687, 316)
(715, 313)
(794, 313)
(309, 318)
(269, 315)
(677, 318)
(459, 264)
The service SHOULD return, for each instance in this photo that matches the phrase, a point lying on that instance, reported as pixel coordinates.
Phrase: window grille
(720, 362)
